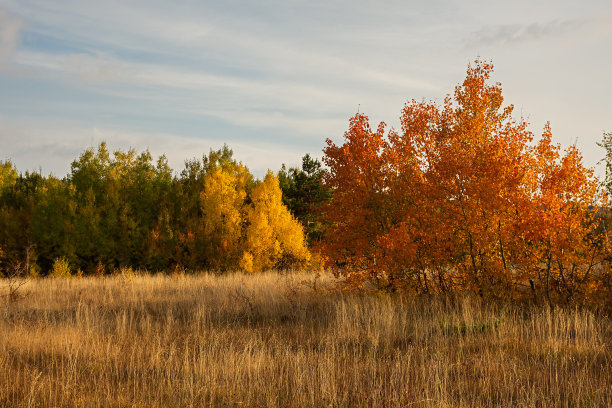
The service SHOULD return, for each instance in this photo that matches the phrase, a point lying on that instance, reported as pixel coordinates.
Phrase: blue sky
(273, 79)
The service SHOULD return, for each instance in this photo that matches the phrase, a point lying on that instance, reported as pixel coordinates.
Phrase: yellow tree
(222, 201)
(274, 238)
(8, 175)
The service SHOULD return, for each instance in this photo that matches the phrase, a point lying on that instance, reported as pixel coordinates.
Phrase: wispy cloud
(521, 33)
(94, 68)
(286, 104)
(10, 27)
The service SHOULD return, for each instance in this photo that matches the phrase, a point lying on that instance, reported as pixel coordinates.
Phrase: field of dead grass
(290, 340)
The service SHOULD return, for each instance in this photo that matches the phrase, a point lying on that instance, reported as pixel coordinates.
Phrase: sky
(274, 78)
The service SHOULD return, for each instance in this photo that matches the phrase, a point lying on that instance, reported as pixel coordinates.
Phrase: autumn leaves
(254, 234)
(462, 198)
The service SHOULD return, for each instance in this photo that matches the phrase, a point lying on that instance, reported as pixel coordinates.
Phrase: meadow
(290, 340)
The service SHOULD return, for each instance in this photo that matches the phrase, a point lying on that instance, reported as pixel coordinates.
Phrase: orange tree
(461, 198)
(357, 215)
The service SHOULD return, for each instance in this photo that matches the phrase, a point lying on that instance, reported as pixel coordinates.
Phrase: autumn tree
(569, 241)
(8, 175)
(207, 226)
(460, 198)
(357, 214)
(273, 237)
(222, 208)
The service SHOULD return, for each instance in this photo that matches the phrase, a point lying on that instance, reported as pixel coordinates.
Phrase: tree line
(124, 209)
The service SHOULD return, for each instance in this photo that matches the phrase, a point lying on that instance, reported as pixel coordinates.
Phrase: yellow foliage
(274, 238)
(246, 262)
(271, 239)
(222, 201)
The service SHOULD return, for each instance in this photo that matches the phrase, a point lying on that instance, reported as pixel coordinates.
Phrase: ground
(290, 340)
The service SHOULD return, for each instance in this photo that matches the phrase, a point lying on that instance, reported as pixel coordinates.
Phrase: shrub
(60, 269)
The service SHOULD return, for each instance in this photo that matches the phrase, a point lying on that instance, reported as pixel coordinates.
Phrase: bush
(60, 269)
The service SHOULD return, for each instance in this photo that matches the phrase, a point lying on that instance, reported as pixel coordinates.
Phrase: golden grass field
(280, 340)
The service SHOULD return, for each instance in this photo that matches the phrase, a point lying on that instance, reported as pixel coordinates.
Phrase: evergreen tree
(303, 193)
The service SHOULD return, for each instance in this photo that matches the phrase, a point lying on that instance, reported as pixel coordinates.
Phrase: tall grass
(276, 340)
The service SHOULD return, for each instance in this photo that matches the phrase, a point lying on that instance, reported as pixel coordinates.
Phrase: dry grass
(279, 341)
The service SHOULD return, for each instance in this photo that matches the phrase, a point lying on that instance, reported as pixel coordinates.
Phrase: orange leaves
(461, 198)
(357, 176)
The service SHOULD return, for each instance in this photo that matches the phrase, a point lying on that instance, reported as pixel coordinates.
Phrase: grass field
(290, 340)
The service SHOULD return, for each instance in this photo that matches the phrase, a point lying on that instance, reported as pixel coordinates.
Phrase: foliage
(222, 201)
(122, 209)
(274, 239)
(461, 198)
(304, 194)
(17, 202)
(61, 269)
(8, 175)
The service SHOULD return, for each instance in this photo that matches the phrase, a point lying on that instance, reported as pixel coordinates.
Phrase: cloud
(286, 123)
(206, 38)
(521, 33)
(284, 77)
(97, 67)
(10, 27)
(285, 104)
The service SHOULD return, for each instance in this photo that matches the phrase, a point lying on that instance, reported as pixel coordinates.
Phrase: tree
(273, 238)
(462, 199)
(52, 222)
(207, 231)
(356, 215)
(304, 193)
(161, 240)
(17, 203)
(222, 201)
(606, 143)
(90, 175)
(124, 209)
(8, 178)
(8, 175)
